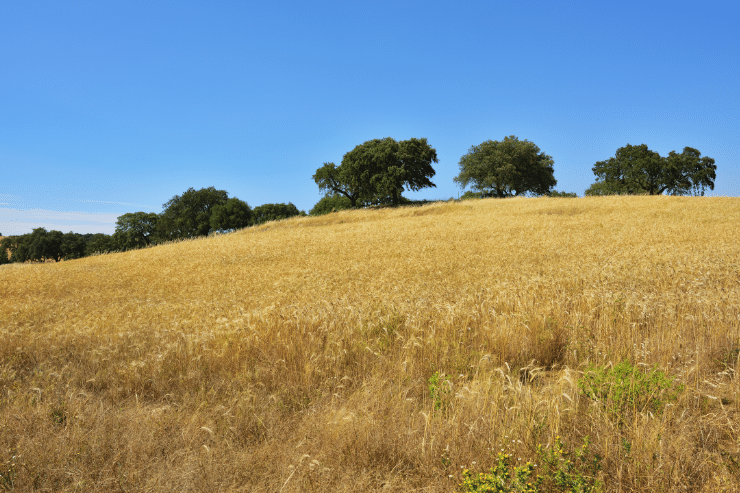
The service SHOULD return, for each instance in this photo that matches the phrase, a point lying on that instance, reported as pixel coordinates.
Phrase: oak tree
(378, 169)
(189, 214)
(506, 168)
(231, 215)
(638, 170)
(136, 229)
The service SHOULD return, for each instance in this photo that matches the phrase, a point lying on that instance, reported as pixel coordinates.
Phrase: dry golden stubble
(299, 355)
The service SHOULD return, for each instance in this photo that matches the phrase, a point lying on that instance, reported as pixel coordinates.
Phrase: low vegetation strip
(539, 344)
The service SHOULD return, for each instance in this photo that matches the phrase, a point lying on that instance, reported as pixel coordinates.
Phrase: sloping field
(386, 350)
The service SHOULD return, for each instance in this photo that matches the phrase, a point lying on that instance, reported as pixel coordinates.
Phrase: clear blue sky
(116, 106)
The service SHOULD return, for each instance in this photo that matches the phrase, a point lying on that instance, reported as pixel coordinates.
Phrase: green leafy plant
(440, 389)
(563, 471)
(625, 389)
(502, 478)
(558, 471)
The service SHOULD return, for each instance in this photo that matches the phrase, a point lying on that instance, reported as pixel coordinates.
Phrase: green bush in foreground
(556, 472)
(625, 389)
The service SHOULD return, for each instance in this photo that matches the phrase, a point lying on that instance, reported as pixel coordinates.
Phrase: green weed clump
(557, 471)
(626, 389)
(440, 390)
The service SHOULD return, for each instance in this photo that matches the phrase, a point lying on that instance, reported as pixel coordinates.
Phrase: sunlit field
(386, 350)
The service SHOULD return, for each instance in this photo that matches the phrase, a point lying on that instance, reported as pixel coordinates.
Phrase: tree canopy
(274, 212)
(507, 168)
(638, 170)
(231, 215)
(136, 229)
(378, 169)
(6, 247)
(330, 203)
(100, 243)
(42, 245)
(189, 214)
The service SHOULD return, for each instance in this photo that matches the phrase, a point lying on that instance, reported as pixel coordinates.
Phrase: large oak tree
(638, 170)
(506, 168)
(378, 169)
(231, 215)
(136, 229)
(189, 214)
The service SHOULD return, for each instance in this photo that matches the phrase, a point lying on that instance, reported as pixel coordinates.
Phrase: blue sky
(114, 107)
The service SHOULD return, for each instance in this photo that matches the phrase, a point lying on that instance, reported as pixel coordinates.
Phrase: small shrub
(626, 389)
(556, 472)
(562, 472)
(501, 478)
(555, 193)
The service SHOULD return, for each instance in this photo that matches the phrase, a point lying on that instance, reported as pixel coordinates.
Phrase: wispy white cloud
(16, 221)
(18, 200)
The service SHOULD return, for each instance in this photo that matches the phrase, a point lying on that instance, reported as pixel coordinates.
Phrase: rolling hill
(386, 350)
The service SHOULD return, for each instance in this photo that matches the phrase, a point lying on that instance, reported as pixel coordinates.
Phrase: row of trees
(378, 172)
(41, 245)
(194, 213)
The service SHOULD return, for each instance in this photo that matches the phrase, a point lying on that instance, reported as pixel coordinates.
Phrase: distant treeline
(376, 173)
(194, 213)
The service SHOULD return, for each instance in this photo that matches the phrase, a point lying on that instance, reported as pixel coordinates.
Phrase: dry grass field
(386, 350)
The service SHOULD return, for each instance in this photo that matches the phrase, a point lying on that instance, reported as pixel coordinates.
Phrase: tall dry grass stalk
(297, 355)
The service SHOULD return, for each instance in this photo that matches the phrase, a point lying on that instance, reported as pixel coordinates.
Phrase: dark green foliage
(45, 245)
(42, 245)
(73, 246)
(329, 204)
(194, 213)
(353, 183)
(274, 212)
(555, 193)
(100, 243)
(38, 246)
(381, 200)
(135, 230)
(378, 171)
(234, 214)
(5, 249)
(397, 165)
(508, 168)
(20, 252)
(189, 214)
(638, 170)
(601, 188)
(470, 195)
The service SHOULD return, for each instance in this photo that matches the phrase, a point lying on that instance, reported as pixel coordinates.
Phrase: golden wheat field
(386, 350)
